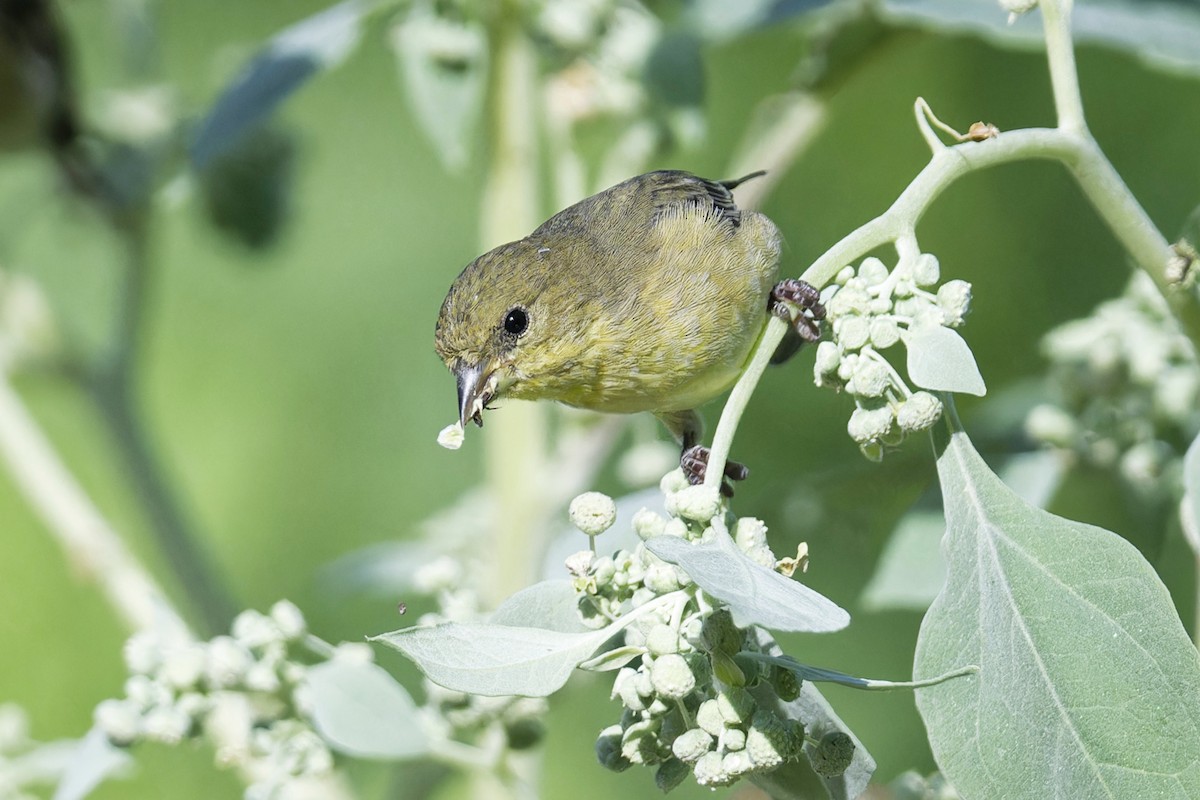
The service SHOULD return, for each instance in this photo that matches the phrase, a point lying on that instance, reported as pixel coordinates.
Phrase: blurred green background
(295, 395)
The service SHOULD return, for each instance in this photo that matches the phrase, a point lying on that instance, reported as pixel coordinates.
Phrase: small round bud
(593, 513)
(698, 503)
(146, 692)
(919, 412)
(692, 745)
(670, 774)
(734, 739)
(287, 616)
(443, 573)
(926, 271)
(524, 733)
(262, 677)
(873, 271)
(869, 424)
(661, 640)
(1142, 464)
(648, 524)
(1176, 391)
(880, 305)
(737, 763)
(871, 379)
(672, 677)
(709, 718)
(661, 579)
(847, 366)
(143, 653)
(710, 771)
(851, 300)
(166, 724)
(785, 683)
(954, 299)
(226, 663)
(608, 749)
(844, 275)
(767, 741)
(749, 532)
(852, 332)
(625, 687)
(120, 721)
(829, 355)
(182, 666)
(255, 630)
(884, 332)
(1049, 423)
(672, 482)
(580, 564)
(833, 755)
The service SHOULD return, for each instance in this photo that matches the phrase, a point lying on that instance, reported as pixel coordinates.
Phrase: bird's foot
(804, 296)
(694, 463)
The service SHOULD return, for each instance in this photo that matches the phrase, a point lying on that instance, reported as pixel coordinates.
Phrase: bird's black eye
(516, 321)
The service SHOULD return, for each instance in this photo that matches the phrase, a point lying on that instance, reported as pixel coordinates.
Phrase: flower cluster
(871, 309)
(1126, 385)
(697, 698)
(245, 692)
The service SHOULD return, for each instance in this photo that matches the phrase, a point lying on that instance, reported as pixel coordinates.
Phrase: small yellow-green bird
(648, 296)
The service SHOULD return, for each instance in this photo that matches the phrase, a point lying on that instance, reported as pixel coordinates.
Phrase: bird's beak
(475, 389)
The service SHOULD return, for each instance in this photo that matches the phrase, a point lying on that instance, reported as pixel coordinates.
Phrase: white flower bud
(289, 619)
(625, 688)
(829, 355)
(869, 425)
(255, 630)
(736, 705)
(647, 524)
(918, 412)
(925, 269)
(661, 640)
(14, 728)
(733, 739)
(580, 564)
(1175, 392)
(262, 677)
(873, 271)
(166, 724)
(691, 745)
(1051, 424)
(354, 653)
(194, 705)
(120, 720)
(1142, 464)
(593, 513)
(871, 379)
(852, 332)
(880, 305)
(661, 579)
(676, 527)
(146, 692)
(142, 653)
(182, 666)
(928, 315)
(850, 300)
(848, 365)
(439, 575)
(698, 503)
(903, 290)
(884, 332)
(737, 763)
(767, 741)
(844, 275)
(749, 532)
(228, 724)
(608, 749)
(639, 742)
(710, 771)
(954, 298)
(672, 677)
(708, 717)
(672, 482)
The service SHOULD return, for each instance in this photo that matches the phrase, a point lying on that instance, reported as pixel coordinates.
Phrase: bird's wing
(673, 189)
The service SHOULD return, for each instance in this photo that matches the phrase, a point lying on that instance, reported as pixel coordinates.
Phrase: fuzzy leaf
(362, 711)
(550, 605)
(310, 46)
(496, 660)
(940, 360)
(756, 595)
(1088, 682)
(1189, 510)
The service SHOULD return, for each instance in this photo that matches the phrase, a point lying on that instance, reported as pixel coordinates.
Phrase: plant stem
(87, 540)
(1060, 54)
(516, 448)
(113, 391)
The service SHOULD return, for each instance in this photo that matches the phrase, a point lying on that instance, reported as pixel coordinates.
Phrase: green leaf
(550, 605)
(796, 780)
(1164, 35)
(496, 660)
(444, 65)
(911, 569)
(362, 711)
(315, 44)
(1088, 684)
(940, 360)
(1189, 510)
(755, 595)
(91, 761)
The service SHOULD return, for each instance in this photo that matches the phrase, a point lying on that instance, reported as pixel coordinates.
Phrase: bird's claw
(807, 298)
(694, 463)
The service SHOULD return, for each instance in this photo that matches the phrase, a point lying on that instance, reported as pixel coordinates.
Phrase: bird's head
(496, 331)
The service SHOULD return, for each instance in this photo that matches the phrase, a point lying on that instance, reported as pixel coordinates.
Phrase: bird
(646, 297)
